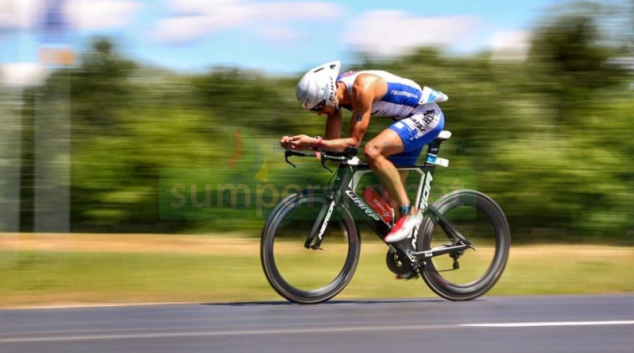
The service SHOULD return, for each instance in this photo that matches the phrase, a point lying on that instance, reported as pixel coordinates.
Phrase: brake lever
(288, 154)
(323, 163)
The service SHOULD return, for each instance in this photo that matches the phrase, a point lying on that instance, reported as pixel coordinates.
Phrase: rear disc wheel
(466, 274)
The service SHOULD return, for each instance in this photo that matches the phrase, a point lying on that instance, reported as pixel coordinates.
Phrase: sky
(277, 37)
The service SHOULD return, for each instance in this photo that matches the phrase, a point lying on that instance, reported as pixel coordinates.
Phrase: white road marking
(551, 324)
(342, 329)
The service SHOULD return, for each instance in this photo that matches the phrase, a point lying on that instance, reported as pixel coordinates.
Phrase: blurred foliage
(549, 136)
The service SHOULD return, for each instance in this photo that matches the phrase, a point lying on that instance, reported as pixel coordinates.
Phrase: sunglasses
(321, 105)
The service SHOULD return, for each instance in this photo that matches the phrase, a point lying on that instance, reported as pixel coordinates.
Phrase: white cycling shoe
(404, 227)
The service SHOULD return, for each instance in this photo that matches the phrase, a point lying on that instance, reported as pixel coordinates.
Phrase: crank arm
(440, 250)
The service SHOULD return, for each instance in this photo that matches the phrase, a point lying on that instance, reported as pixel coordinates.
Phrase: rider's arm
(363, 94)
(333, 126)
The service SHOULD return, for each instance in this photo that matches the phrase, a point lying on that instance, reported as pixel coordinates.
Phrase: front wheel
(466, 274)
(309, 276)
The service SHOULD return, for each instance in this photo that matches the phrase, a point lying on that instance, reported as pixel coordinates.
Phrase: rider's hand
(302, 142)
(286, 142)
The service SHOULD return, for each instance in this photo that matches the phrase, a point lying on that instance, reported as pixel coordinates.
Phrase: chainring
(396, 265)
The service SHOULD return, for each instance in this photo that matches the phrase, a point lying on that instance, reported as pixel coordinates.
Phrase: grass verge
(37, 277)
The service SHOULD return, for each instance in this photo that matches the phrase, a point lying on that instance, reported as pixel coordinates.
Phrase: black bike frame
(343, 189)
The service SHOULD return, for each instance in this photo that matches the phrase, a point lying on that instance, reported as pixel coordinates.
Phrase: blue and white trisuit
(418, 117)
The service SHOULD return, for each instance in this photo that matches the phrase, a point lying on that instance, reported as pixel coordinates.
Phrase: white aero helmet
(318, 87)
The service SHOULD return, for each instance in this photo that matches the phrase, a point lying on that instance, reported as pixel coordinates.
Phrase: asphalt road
(575, 324)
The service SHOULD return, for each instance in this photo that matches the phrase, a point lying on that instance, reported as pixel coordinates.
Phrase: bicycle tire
(271, 271)
(431, 275)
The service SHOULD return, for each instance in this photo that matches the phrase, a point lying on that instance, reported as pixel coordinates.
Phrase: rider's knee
(371, 151)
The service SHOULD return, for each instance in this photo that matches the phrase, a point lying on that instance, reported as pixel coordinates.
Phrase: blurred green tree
(548, 138)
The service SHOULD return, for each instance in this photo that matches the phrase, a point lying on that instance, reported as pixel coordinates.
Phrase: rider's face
(328, 110)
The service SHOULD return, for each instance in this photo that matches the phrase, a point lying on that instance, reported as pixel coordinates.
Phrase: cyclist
(418, 121)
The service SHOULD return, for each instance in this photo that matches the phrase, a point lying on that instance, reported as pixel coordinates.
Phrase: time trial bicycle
(323, 223)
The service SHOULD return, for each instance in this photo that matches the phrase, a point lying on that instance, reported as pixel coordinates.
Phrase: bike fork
(319, 228)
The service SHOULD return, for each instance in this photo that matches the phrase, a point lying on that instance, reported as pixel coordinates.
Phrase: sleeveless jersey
(403, 97)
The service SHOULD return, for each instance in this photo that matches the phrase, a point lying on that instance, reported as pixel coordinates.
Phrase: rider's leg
(387, 143)
(391, 201)
(414, 133)
(404, 159)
